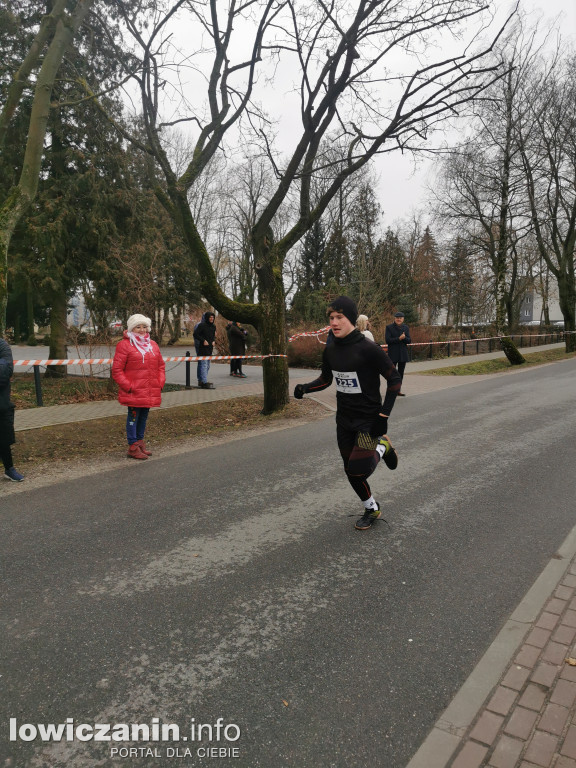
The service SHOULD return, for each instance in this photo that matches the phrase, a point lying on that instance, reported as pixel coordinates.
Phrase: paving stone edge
(451, 727)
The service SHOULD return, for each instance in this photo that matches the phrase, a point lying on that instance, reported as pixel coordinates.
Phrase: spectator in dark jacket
(7, 436)
(237, 344)
(204, 334)
(398, 338)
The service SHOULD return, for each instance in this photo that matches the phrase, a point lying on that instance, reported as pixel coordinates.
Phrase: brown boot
(143, 448)
(134, 452)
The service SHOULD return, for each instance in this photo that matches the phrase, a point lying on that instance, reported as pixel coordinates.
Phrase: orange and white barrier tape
(427, 343)
(68, 361)
(484, 338)
(309, 333)
(219, 357)
(109, 360)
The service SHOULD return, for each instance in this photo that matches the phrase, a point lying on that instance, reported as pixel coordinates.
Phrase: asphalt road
(228, 582)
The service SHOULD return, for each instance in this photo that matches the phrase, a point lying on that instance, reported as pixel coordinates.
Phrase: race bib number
(347, 381)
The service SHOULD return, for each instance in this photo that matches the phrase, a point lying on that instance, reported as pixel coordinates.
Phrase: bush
(305, 352)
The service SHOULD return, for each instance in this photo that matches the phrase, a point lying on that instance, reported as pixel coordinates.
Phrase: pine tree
(458, 281)
(427, 278)
(309, 303)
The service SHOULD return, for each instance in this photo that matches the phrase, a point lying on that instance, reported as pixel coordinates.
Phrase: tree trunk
(58, 327)
(567, 301)
(30, 313)
(12, 210)
(511, 351)
(175, 328)
(275, 369)
(502, 306)
(272, 329)
(17, 202)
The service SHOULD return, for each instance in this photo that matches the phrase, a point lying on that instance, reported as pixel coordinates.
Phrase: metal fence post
(38, 386)
(187, 364)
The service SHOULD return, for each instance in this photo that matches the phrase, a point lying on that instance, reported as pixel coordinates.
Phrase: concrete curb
(451, 727)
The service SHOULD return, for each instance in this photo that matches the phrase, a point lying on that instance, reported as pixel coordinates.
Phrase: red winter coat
(140, 381)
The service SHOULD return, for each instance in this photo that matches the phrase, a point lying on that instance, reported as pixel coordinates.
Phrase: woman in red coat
(140, 372)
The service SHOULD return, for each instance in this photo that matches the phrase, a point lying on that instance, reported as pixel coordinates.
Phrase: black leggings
(6, 456)
(358, 451)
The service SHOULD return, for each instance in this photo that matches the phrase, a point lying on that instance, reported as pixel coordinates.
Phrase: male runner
(356, 364)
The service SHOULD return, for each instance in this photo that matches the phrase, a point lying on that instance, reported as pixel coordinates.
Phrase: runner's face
(141, 329)
(340, 324)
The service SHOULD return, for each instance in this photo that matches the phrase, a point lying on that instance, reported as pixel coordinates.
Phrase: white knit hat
(135, 320)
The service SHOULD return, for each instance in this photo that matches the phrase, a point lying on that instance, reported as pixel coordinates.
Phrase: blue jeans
(203, 368)
(136, 423)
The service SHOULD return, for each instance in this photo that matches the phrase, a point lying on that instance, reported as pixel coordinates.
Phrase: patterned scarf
(142, 343)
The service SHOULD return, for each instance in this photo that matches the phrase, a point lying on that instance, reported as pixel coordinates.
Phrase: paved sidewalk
(518, 707)
(34, 418)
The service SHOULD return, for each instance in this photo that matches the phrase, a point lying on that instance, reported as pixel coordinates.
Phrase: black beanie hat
(346, 306)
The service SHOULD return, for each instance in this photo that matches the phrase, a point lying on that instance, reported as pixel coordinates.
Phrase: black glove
(379, 426)
(299, 391)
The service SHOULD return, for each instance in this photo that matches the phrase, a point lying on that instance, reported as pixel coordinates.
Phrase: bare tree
(482, 190)
(346, 57)
(547, 138)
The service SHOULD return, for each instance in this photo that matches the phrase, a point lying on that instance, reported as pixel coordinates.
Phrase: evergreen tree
(427, 278)
(338, 267)
(405, 303)
(308, 300)
(459, 284)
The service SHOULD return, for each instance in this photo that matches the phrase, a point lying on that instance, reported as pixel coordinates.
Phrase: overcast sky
(402, 187)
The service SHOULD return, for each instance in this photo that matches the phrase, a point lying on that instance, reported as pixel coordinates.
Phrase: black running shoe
(368, 519)
(390, 456)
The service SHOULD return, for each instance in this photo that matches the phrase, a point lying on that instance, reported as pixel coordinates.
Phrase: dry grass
(70, 389)
(101, 438)
(501, 365)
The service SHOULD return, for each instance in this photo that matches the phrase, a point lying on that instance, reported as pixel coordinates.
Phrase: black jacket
(356, 364)
(7, 436)
(397, 348)
(205, 331)
(236, 339)
(6, 371)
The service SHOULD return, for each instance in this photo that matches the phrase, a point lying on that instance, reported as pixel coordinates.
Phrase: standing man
(204, 334)
(356, 364)
(398, 338)
(237, 344)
